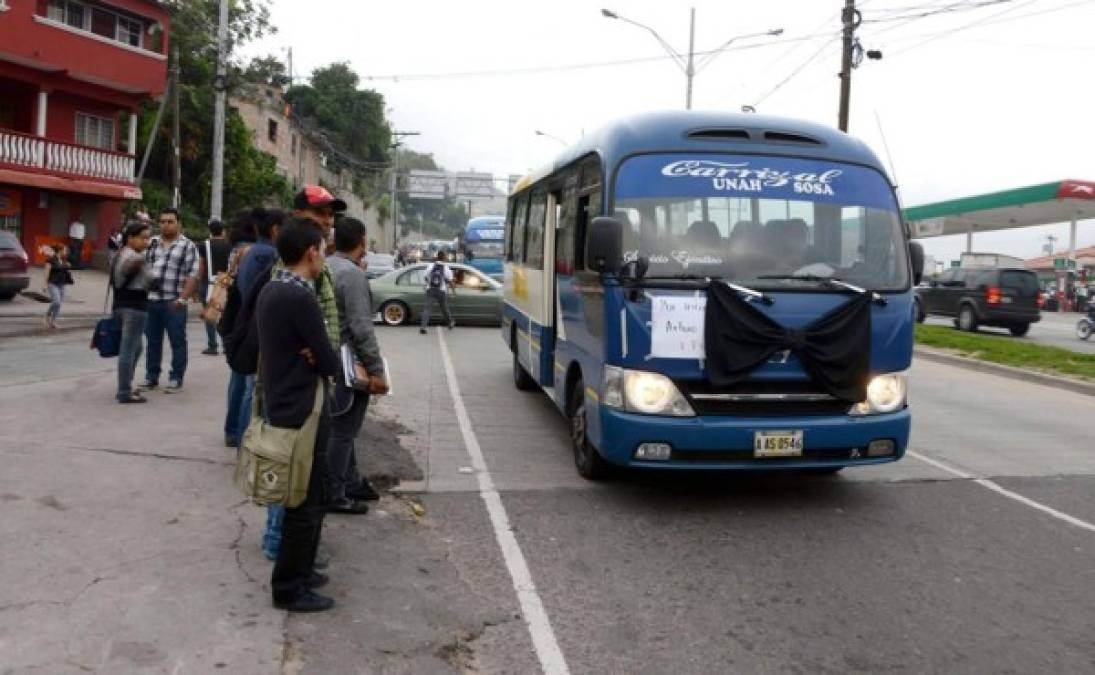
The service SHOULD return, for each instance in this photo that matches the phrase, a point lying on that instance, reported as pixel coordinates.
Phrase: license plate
(777, 444)
(1006, 300)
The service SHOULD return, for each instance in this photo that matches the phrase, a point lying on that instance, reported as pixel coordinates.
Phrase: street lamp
(393, 206)
(552, 137)
(688, 64)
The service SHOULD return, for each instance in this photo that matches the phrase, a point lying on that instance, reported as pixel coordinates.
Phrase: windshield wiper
(833, 281)
(763, 297)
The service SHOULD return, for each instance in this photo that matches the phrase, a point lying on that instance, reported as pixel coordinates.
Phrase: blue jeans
(441, 298)
(238, 404)
(164, 315)
(271, 536)
(132, 322)
(56, 297)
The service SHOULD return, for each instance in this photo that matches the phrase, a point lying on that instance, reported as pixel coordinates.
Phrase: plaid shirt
(290, 277)
(325, 293)
(171, 267)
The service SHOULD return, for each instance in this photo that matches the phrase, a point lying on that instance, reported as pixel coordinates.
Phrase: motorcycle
(1085, 325)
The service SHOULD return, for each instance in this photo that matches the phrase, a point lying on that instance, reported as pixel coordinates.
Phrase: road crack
(151, 455)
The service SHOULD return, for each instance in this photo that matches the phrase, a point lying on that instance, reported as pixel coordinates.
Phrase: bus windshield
(484, 237)
(764, 222)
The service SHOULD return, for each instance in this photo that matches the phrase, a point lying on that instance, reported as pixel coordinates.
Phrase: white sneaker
(173, 387)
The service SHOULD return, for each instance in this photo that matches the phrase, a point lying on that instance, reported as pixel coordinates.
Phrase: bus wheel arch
(587, 458)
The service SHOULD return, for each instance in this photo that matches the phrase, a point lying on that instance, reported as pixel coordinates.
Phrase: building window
(293, 145)
(95, 132)
(272, 130)
(97, 20)
(129, 32)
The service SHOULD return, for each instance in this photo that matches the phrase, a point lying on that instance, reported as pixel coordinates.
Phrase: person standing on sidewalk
(130, 305)
(290, 324)
(76, 233)
(315, 204)
(439, 282)
(214, 253)
(58, 278)
(172, 268)
(347, 487)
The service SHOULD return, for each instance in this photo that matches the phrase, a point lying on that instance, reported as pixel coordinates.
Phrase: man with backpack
(439, 282)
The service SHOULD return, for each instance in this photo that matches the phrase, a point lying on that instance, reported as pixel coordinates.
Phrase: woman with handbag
(58, 277)
(128, 281)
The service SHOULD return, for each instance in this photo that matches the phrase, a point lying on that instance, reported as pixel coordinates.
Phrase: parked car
(400, 295)
(14, 276)
(379, 264)
(1001, 297)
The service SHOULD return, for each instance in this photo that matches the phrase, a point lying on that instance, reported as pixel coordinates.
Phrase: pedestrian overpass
(1065, 201)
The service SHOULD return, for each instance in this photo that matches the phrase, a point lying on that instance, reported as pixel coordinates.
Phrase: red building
(72, 75)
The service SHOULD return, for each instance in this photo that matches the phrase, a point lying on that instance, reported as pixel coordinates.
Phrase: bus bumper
(726, 443)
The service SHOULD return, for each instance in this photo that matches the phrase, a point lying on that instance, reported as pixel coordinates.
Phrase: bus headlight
(643, 392)
(885, 394)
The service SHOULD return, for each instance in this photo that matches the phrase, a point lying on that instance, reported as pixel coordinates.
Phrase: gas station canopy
(1065, 201)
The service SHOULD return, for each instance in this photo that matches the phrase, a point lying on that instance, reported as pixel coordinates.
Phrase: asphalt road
(135, 554)
(897, 568)
(1054, 330)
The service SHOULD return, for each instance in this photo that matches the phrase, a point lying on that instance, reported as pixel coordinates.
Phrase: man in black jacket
(295, 357)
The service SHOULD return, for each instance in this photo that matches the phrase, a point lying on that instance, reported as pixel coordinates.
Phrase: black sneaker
(422, 330)
(365, 492)
(147, 385)
(308, 601)
(350, 506)
(210, 351)
(133, 398)
(316, 580)
(231, 442)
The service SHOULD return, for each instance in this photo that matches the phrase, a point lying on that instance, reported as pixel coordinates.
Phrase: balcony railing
(47, 156)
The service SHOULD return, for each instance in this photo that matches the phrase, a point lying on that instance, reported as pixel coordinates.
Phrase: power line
(796, 71)
(538, 70)
(987, 21)
(946, 9)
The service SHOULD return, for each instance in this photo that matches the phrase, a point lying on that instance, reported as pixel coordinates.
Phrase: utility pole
(393, 201)
(220, 85)
(690, 69)
(155, 127)
(176, 160)
(848, 16)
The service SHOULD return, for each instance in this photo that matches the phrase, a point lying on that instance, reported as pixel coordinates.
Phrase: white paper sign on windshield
(676, 326)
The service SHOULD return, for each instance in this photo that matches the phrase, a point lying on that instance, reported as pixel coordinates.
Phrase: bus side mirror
(916, 257)
(604, 246)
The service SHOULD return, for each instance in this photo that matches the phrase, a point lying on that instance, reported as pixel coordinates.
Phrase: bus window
(534, 247)
(516, 251)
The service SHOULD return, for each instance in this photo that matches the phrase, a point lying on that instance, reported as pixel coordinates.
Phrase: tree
(251, 177)
(353, 119)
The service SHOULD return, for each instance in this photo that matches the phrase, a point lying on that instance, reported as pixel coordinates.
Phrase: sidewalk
(25, 313)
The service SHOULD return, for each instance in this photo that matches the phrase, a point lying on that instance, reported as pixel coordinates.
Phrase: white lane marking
(532, 607)
(996, 487)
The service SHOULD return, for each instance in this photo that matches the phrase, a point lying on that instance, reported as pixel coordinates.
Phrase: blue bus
(716, 292)
(483, 239)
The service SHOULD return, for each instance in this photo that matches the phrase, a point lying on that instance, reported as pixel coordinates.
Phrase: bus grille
(761, 399)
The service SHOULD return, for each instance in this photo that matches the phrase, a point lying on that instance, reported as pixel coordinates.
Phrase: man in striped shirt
(171, 264)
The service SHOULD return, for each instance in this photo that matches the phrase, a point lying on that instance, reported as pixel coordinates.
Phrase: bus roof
(702, 131)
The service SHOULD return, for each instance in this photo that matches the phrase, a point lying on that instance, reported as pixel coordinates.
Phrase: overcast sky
(1006, 101)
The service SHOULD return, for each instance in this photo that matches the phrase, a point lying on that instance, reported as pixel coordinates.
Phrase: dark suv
(1006, 298)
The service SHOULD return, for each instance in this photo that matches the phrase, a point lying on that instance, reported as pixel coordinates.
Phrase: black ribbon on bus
(835, 349)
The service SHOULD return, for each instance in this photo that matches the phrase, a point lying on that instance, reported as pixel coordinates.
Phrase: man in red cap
(318, 204)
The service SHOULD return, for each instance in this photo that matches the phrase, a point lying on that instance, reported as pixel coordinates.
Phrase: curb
(1066, 383)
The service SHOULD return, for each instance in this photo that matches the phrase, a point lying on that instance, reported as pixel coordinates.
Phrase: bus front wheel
(587, 459)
